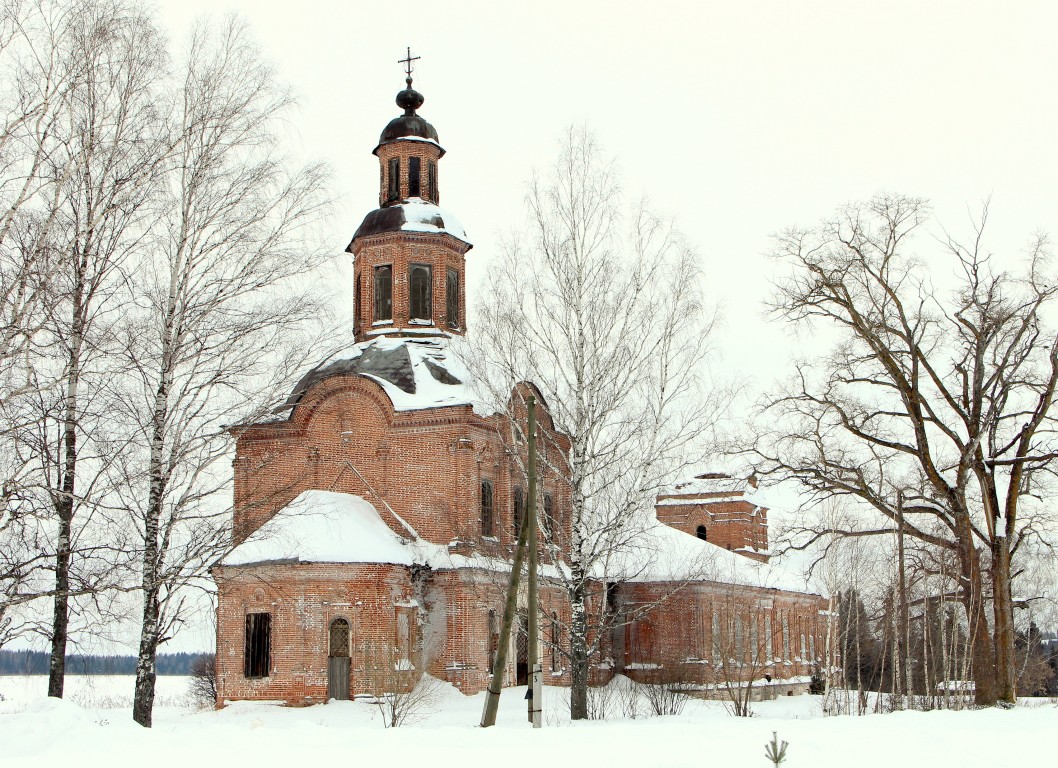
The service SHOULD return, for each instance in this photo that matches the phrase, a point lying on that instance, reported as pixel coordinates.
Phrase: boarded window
(701, 533)
(384, 292)
(414, 185)
(786, 637)
(257, 655)
(419, 292)
(404, 635)
(432, 180)
(754, 640)
(716, 636)
(518, 513)
(393, 189)
(452, 298)
(769, 651)
(486, 508)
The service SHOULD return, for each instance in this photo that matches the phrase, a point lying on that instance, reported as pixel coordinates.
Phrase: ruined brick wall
(713, 632)
(302, 600)
(731, 523)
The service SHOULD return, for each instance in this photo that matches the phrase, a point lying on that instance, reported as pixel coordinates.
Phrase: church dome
(409, 125)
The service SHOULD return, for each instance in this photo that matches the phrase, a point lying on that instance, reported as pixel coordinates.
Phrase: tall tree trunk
(146, 663)
(578, 640)
(63, 501)
(1002, 605)
(982, 654)
(153, 548)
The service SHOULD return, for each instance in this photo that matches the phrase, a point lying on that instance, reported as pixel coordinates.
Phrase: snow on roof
(416, 373)
(324, 527)
(663, 553)
(328, 527)
(421, 216)
(723, 487)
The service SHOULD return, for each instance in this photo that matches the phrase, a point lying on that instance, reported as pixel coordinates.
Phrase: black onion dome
(392, 218)
(409, 124)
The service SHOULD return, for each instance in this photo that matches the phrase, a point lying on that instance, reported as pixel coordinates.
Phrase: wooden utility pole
(905, 621)
(510, 609)
(535, 695)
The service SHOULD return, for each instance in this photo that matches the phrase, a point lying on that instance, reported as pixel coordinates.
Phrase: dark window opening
(549, 512)
(257, 655)
(701, 533)
(384, 292)
(452, 298)
(519, 510)
(431, 171)
(611, 597)
(419, 292)
(414, 186)
(486, 508)
(357, 307)
(394, 179)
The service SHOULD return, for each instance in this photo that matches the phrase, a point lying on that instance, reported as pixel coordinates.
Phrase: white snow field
(93, 727)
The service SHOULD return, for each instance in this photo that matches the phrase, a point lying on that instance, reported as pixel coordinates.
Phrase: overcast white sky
(738, 118)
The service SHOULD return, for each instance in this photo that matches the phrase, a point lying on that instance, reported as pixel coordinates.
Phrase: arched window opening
(414, 184)
(431, 170)
(339, 639)
(452, 298)
(549, 512)
(702, 534)
(358, 308)
(486, 508)
(384, 292)
(519, 510)
(419, 292)
(393, 188)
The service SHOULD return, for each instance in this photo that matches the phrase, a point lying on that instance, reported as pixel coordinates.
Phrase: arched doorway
(338, 660)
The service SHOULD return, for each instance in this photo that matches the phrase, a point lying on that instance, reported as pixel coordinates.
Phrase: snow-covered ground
(93, 727)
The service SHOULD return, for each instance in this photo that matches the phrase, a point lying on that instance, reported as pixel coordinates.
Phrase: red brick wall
(680, 629)
(734, 524)
(426, 151)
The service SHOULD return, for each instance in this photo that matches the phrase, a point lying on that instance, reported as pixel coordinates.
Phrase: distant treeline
(36, 663)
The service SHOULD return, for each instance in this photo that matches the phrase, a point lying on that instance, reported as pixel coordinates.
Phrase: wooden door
(338, 661)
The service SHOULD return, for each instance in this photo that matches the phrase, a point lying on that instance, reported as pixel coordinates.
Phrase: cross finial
(406, 61)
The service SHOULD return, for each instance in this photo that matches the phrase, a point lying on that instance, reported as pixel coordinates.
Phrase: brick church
(376, 512)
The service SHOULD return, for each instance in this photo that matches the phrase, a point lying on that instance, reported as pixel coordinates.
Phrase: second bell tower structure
(409, 254)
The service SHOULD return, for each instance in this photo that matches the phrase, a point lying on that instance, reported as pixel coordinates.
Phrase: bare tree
(933, 409)
(224, 311)
(100, 161)
(601, 309)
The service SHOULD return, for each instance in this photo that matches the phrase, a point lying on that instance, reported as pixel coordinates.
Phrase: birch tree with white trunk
(224, 312)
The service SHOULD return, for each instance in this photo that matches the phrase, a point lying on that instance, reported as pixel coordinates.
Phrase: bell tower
(409, 254)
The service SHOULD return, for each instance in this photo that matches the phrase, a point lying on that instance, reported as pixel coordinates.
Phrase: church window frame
(487, 508)
(384, 293)
(431, 181)
(556, 635)
(414, 177)
(452, 297)
(702, 533)
(549, 515)
(393, 180)
(257, 648)
(493, 641)
(339, 638)
(420, 293)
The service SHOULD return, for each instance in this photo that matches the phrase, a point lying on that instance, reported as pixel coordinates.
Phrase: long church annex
(375, 514)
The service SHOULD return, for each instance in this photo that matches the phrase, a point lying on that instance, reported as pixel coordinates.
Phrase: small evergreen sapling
(775, 751)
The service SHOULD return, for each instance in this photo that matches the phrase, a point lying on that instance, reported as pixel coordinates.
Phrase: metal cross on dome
(407, 62)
